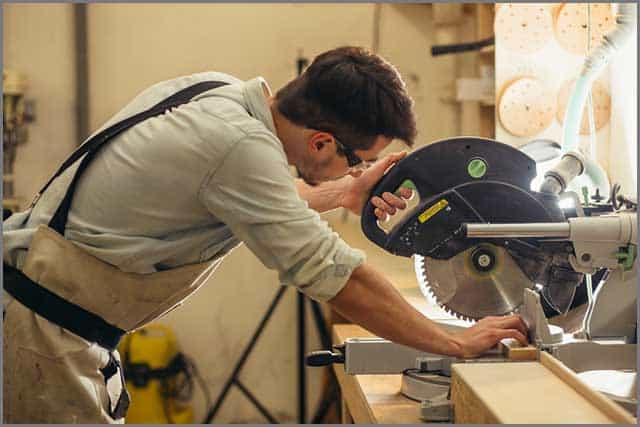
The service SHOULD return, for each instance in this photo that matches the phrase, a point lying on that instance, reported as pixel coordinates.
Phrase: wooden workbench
(550, 393)
(371, 399)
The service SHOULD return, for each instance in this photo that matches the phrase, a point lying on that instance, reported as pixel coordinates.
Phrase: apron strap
(47, 304)
(114, 380)
(91, 147)
(63, 313)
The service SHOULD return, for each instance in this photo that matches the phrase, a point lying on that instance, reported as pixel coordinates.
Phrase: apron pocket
(52, 390)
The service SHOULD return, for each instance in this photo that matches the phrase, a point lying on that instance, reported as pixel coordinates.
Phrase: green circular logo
(477, 168)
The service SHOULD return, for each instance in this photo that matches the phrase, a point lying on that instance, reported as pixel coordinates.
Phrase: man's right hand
(487, 332)
(370, 300)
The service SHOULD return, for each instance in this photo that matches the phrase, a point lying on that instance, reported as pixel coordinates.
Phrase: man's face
(322, 161)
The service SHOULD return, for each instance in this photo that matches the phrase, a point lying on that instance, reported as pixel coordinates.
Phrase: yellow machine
(158, 377)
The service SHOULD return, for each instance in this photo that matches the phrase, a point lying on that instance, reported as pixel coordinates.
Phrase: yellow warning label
(432, 210)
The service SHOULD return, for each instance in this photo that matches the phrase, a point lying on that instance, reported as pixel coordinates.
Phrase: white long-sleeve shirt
(188, 186)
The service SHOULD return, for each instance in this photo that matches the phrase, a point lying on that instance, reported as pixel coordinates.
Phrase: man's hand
(358, 188)
(488, 332)
(370, 300)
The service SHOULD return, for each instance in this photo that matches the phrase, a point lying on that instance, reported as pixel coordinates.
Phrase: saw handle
(368, 220)
(324, 358)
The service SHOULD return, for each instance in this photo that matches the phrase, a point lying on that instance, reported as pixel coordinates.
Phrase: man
(123, 235)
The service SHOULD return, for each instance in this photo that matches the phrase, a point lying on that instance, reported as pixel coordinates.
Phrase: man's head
(346, 107)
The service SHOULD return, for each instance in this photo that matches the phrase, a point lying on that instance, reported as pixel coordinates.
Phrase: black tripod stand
(302, 394)
(302, 377)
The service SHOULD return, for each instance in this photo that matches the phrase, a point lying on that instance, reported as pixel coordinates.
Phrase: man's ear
(319, 140)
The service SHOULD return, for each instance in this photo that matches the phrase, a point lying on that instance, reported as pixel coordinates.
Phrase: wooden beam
(468, 405)
(527, 392)
(514, 351)
(597, 399)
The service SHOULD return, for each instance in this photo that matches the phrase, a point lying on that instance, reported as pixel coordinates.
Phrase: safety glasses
(353, 160)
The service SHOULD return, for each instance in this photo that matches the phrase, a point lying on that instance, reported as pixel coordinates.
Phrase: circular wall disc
(601, 105)
(526, 107)
(523, 28)
(571, 25)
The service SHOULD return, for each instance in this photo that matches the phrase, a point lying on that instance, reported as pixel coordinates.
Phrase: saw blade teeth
(497, 293)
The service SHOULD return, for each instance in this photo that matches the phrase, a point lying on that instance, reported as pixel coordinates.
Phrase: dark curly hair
(353, 94)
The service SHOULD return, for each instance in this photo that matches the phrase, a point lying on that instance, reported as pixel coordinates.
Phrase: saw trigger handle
(391, 182)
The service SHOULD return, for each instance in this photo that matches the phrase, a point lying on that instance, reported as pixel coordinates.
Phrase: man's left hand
(359, 186)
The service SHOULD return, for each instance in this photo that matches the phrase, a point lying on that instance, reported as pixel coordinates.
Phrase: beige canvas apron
(51, 375)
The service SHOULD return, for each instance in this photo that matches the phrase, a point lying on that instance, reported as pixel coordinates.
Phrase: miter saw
(485, 244)
(472, 266)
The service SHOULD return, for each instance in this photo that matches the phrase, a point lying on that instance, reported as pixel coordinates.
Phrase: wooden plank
(513, 350)
(520, 392)
(468, 406)
(597, 399)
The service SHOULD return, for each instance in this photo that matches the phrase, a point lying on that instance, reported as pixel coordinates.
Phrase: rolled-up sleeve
(253, 192)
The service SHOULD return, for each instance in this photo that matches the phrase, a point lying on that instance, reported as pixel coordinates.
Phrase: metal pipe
(82, 72)
(539, 229)
(302, 348)
(558, 178)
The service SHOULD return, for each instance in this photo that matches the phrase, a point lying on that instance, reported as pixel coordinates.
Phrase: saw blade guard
(457, 180)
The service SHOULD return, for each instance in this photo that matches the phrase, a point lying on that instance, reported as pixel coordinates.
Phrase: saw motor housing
(475, 180)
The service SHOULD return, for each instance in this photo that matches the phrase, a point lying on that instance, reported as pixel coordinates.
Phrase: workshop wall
(46, 58)
(623, 145)
(248, 40)
(132, 46)
(540, 50)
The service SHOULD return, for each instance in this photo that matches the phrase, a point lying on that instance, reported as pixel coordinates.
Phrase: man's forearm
(370, 300)
(324, 197)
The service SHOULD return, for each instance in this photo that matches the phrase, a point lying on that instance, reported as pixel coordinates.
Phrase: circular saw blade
(461, 288)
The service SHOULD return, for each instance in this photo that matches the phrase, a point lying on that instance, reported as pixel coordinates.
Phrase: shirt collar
(254, 95)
